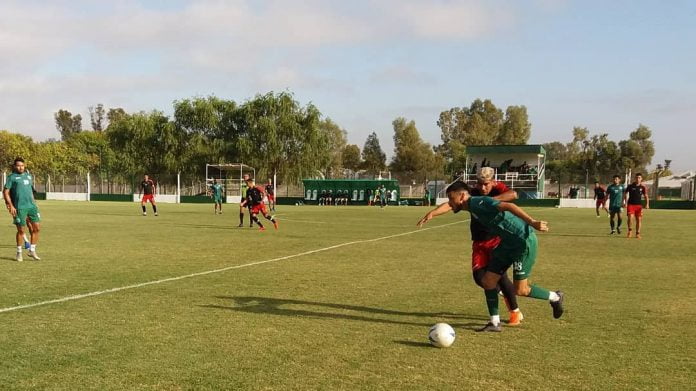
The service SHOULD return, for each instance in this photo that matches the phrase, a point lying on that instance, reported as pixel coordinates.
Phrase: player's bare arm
(440, 210)
(647, 200)
(517, 211)
(508, 196)
(8, 202)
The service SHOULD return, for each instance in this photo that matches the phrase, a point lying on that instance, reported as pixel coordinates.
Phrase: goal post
(230, 176)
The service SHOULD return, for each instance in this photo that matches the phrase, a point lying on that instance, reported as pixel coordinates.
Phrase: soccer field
(337, 298)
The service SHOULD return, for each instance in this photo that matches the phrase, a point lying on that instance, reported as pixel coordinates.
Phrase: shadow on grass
(416, 344)
(577, 235)
(8, 259)
(273, 306)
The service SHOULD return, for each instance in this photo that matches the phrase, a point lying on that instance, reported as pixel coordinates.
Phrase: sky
(605, 65)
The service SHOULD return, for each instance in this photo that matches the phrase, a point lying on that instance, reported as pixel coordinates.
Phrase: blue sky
(605, 65)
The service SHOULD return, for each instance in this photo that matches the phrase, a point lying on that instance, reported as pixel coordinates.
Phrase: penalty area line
(203, 273)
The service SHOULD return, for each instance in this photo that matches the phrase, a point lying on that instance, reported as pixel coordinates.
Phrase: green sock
(492, 301)
(539, 293)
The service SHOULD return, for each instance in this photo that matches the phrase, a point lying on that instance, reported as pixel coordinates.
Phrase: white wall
(67, 196)
(577, 203)
(163, 198)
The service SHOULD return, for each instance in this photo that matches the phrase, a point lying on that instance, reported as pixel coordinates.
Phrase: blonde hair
(485, 174)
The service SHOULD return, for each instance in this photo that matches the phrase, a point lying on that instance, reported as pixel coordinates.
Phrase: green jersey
(216, 189)
(511, 229)
(616, 194)
(21, 190)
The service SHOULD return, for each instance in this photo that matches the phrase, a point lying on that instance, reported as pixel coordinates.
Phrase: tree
(374, 159)
(336, 137)
(637, 152)
(67, 124)
(413, 159)
(351, 157)
(115, 114)
(482, 123)
(13, 145)
(96, 115)
(516, 128)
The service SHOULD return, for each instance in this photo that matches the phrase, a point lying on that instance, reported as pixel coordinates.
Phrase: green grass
(352, 317)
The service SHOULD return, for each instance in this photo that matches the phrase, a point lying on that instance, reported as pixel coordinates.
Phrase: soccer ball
(441, 335)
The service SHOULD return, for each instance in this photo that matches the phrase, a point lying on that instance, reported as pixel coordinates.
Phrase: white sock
(495, 319)
(19, 249)
(515, 310)
(553, 296)
(33, 247)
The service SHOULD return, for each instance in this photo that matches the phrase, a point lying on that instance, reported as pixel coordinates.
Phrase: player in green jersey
(19, 199)
(216, 191)
(615, 192)
(517, 248)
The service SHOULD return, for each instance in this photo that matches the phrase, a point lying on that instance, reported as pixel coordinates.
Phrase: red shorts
(601, 202)
(634, 210)
(260, 208)
(148, 197)
(481, 251)
(271, 197)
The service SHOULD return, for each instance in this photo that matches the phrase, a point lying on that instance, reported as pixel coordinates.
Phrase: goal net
(229, 175)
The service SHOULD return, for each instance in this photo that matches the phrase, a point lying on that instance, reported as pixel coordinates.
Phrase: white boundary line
(123, 288)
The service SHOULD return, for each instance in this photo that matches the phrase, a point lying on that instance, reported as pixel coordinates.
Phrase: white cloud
(71, 54)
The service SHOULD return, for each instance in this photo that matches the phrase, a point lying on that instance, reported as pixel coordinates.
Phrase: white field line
(123, 288)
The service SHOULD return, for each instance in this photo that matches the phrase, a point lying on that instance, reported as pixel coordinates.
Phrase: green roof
(505, 149)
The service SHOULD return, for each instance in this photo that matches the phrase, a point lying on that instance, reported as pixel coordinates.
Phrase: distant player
(243, 190)
(216, 192)
(322, 198)
(633, 195)
(147, 189)
(484, 242)
(270, 194)
(382, 196)
(517, 248)
(615, 192)
(19, 199)
(600, 196)
(254, 200)
(426, 195)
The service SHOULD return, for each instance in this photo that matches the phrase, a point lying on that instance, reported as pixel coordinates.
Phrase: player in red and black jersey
(270, 194)
(254, 200)
(600, 196)
(633, 196)
(484, 242)
(147, 188)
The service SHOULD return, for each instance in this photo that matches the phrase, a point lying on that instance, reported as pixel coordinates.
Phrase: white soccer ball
(441, 335)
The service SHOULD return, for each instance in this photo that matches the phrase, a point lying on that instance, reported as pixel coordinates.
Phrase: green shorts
(520, 257)
(614, 209)
(22, 214)
(218, 200)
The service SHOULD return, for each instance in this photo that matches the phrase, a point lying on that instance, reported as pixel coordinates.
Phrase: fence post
(178, 187)
(89, 187)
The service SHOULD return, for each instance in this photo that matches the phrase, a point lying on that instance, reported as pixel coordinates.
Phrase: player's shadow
(576, 235)
(313, 309)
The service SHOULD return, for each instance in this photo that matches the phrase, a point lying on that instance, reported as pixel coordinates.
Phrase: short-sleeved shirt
(635, 193)
(512, 230)
(615, 195)
(478, 231)
(21, 188)
(216, 188)
(148, 186)
(600, 193)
